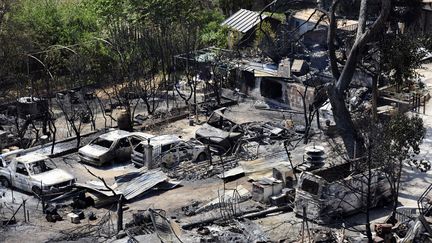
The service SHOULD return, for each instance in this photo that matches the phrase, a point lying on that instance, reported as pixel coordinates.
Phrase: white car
(35, 173)
(114, 146)
(168, 150)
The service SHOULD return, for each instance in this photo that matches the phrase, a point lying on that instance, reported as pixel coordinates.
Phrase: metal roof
(243, 20)
(259, 69)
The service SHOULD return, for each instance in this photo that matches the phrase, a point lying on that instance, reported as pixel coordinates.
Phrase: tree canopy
(89, 41)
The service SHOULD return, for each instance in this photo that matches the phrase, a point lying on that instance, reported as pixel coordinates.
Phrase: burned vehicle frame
(220, 132)
(225, 135)
(167, 151)
(326, 194)
(113, 146)
(31, 173)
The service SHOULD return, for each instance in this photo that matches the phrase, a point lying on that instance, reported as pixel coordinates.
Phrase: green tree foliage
(212, 33)
(404, 135)
(93, 41)
(54, 22)
(264, 34)
(400, 57)
(402, 138)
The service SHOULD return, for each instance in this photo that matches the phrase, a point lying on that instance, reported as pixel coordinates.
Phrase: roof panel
(243, 20)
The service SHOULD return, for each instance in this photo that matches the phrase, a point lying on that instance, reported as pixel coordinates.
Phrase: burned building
(274, 83)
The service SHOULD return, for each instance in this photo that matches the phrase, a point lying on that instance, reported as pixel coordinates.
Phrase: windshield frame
(102, 140)
(31, 170)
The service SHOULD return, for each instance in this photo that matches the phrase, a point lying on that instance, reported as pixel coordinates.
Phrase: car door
(123, 149)
(134, 140)
(184, 152)
(168, 154)
(22, 178)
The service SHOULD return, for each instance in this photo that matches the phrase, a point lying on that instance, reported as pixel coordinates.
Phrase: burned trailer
(32, 106)
(326, 194)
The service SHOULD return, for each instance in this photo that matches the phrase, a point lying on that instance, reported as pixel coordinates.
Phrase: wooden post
(42, 199)
(210, 154)
(11, 187)
(418, 102)
(306, 222)
(120, 214)
(303, 223)
(25, 211)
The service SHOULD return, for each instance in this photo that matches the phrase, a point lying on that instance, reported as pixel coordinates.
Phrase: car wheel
(201, 157)
(4, 182)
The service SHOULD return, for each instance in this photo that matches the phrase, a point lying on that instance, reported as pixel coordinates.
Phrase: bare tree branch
(101, 179)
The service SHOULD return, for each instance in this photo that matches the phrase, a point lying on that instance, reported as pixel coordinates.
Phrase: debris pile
(201, 170)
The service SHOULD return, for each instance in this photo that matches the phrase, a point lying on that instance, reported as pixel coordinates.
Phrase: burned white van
(336, 191)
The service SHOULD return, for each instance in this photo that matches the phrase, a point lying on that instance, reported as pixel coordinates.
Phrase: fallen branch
(101, 179)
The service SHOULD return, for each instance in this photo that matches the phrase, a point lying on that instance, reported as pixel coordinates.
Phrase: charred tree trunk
(396, 189)
(352, 141)
(368, 196)
(53, 130)
(374, 97)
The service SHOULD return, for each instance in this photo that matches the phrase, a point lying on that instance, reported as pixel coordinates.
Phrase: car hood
(53, 177)
(92, 150)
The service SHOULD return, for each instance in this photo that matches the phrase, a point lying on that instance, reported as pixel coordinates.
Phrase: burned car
(168, 150)
(35, 173)
(220, 132)
(114, 146)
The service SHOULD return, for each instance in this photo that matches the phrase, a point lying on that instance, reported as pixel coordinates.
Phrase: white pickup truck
(32, 173)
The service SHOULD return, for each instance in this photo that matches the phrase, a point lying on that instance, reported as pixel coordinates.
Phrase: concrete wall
(290, 96)
(294, 99)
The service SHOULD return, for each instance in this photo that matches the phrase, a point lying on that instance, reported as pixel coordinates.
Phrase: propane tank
(148, 149)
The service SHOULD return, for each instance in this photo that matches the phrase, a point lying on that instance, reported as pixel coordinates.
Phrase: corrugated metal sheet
(259, 69)
(243, 20)
(140, 184)
(132, 184)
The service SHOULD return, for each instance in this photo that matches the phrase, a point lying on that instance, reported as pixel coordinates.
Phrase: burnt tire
(201, 157)
(4, 182)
